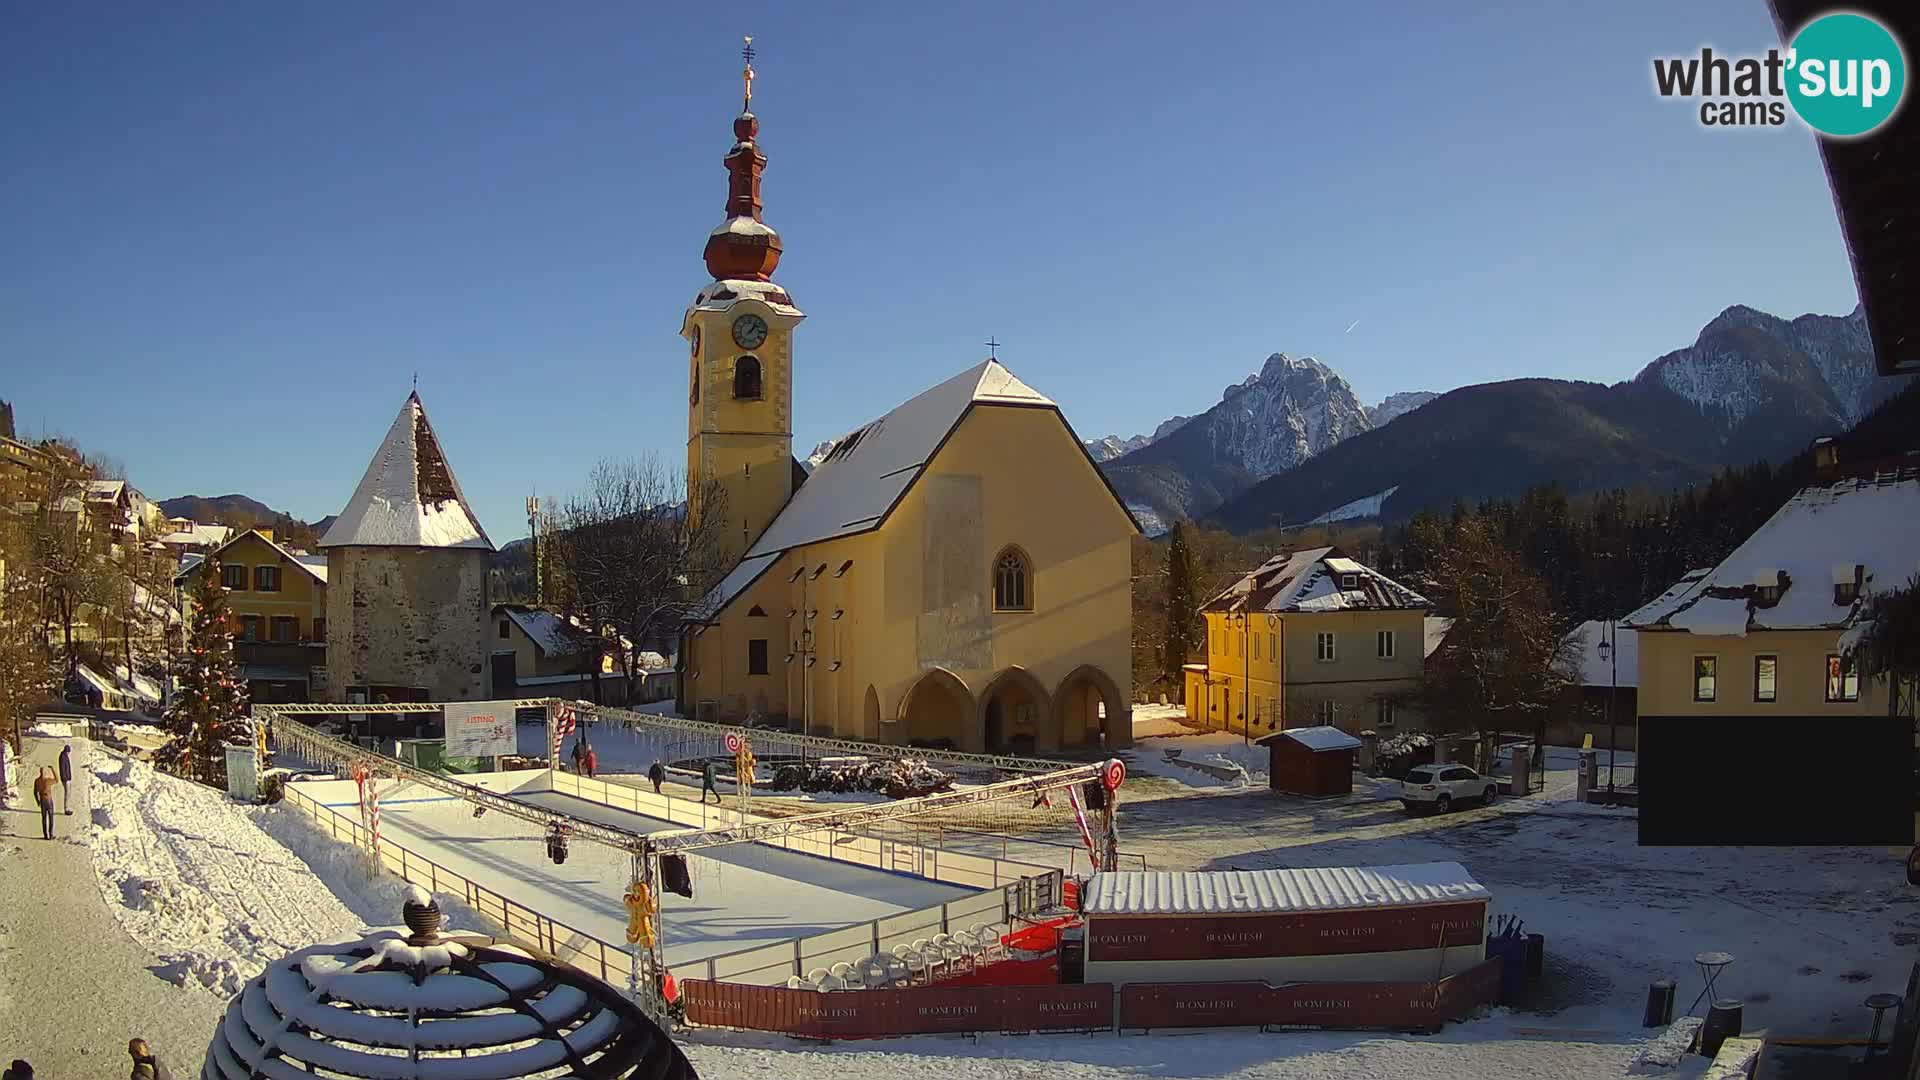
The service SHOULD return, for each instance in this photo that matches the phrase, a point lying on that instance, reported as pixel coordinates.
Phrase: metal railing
(607, 961)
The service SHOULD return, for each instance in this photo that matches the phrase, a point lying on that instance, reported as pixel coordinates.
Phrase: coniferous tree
(208, 710)
(1182, 609)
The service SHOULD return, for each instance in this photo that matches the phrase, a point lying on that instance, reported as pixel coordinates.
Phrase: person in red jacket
(590, 762)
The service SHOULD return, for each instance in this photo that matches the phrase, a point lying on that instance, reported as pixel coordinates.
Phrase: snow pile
(192, 880)
(47, 729)
(1667, 1049)
(1366, 507)
(1213, 759)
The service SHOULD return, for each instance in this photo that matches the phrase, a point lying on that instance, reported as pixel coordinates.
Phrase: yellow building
(1309, 638)
(1763, 634)
(277, 598)
(955, 572)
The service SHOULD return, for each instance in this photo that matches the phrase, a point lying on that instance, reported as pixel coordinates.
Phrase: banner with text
(480, 729)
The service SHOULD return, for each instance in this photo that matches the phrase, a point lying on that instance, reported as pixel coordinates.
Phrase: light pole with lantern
(1610, 650)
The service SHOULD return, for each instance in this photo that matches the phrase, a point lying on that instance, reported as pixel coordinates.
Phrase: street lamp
(1246, 678)
(1610, 651)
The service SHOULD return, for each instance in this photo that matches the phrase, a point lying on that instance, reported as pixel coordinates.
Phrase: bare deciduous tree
(1505, 661)
(627, 560)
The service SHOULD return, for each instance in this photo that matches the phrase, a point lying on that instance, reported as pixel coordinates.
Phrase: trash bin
(1723, 1023)
(1659, 1004)
(1512, 954)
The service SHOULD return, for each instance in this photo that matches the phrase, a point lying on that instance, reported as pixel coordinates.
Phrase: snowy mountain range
(1751, 387)
(1269, 422)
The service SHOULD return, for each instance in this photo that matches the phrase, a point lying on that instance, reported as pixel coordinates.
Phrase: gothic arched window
(1012, 581)
(746, 377)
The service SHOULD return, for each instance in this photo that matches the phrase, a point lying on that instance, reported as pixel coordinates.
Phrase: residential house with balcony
(277, 599)
(1311, 638)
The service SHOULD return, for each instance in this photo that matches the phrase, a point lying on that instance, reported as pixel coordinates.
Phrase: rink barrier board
(867, 1014)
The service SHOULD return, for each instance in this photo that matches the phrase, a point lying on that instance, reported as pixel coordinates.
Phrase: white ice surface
(744, 895)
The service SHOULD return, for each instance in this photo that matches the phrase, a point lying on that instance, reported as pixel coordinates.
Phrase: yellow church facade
(955, 573)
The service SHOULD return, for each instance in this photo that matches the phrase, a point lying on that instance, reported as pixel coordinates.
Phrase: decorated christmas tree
(208, 709)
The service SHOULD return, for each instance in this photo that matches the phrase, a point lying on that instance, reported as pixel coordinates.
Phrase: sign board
(243, 773)
(480, 729)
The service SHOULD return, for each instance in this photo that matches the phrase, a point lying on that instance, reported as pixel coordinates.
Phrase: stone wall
(407, 617)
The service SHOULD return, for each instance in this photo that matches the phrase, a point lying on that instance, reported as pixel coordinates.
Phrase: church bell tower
(739, 334)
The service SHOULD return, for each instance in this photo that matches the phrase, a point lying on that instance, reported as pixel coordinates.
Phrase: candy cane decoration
(373, 823)
(1080, 816)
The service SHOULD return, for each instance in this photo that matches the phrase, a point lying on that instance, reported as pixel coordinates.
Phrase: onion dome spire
(743, 247)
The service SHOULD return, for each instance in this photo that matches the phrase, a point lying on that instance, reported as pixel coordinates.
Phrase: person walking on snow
(43, 794)
(658, 774)
(706, 783)
(580, 755)
(145, 1065)
(66, 778)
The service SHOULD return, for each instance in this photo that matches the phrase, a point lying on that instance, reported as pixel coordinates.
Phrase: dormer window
(1846, 583)
(1768, 595)
(1349, 581)
(1845, 592)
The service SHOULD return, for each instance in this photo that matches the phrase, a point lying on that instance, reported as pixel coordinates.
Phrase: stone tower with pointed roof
(954, 572)
(407, 568)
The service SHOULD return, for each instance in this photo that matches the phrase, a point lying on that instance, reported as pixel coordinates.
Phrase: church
(955, 573)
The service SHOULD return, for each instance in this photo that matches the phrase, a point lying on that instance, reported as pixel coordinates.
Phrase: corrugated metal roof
(1264, 891)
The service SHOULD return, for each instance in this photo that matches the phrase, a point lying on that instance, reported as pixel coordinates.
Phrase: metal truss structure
(321, 748)
(860, 817)
(1000, 762)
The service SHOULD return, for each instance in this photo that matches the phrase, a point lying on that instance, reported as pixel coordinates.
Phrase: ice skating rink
(744, 895)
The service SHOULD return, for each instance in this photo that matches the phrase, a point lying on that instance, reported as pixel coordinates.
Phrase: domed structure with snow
(423, 1006)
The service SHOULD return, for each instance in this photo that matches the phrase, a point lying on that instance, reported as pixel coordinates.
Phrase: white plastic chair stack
(896, 968)
(849, 980)
(873, 973)
(818, 977)
(922, 958)
(795, 982)
(965, 948)
(989, 937)
(833, 982)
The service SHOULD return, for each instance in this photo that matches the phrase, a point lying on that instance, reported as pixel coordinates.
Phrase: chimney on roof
(6, 420)
(1826, 458)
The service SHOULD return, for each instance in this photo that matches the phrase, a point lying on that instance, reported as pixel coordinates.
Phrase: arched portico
(1014, 715)
(937, 708)
(1090, 712)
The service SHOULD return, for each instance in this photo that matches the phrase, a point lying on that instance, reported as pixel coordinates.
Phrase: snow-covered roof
(1324, 737)
(1436, 632)
(1865, 522)
(720, 295)
(199, 536)
(854, 488)
(306, 560)
(1310, 580)
(1144, 892)
(105, 490)
(1591, 664)
(652, 663)
(551, 632)
(408, 497)
(743, 226)
(1687, 583)
(743, 574)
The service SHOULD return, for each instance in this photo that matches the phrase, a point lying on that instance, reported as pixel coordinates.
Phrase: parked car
(1441, 787)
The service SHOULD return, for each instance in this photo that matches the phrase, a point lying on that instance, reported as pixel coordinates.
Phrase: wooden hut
(1314, 761)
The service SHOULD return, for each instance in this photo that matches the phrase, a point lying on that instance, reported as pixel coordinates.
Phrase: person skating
(706, 783)
(658, 774)
(145, 1065)
(66, 778)
(43, 794)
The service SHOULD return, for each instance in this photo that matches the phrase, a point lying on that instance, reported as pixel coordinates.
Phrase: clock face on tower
(749, 331)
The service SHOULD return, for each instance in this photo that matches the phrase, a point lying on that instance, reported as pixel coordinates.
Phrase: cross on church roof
(993, 349)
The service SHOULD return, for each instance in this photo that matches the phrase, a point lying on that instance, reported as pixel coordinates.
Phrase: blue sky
(233, 232)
